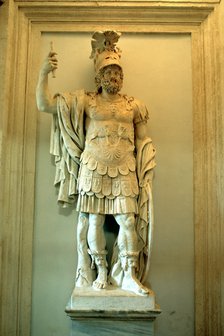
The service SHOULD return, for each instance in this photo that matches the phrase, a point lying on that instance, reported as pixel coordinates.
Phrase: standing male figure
(104, 161)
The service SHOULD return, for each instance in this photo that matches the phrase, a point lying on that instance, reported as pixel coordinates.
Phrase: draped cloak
(67, 145)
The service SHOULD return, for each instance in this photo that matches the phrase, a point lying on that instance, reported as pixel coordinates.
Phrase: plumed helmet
(104, 50)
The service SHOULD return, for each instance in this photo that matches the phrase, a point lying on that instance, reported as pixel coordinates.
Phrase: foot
(101, 280)
(131, 283)
(84, 278)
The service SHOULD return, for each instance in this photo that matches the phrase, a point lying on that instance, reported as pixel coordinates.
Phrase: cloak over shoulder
(67, 144)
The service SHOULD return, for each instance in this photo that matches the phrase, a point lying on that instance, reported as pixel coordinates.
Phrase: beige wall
(157, 71)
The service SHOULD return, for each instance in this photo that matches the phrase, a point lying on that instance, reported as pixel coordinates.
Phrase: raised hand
(50, 64)
(45, 102)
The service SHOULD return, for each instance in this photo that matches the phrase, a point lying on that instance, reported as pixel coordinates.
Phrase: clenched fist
(50, 63)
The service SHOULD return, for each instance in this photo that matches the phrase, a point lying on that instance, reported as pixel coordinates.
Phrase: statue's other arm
(141, 137)
(141, 133)
(45, 102)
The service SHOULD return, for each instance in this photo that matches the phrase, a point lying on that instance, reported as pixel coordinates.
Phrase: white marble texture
(104, 161)
(113, 303)
(112, 311)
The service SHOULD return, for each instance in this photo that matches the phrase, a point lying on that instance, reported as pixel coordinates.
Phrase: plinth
(111, 312)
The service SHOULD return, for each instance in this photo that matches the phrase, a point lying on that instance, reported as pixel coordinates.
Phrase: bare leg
(127, 242)
(96, 237)
(97, 243)
(84, 274)
(127, 237)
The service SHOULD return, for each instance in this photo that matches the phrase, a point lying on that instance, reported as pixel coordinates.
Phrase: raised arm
(45, 102)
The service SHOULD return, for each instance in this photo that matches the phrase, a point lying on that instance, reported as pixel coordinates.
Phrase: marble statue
(104, 164)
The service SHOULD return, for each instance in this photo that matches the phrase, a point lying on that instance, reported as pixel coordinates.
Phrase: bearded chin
(112, 87)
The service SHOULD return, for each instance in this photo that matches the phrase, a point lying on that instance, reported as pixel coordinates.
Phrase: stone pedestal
(111, 312)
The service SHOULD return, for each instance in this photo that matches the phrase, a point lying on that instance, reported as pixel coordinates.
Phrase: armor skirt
(103, 194)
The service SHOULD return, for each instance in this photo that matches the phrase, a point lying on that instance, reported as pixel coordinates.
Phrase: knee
(82, 227)
(129, 223)
(83, 220)
(96, 221)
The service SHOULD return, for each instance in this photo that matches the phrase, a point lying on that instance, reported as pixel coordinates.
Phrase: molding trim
(26, 22)
(131, 1)
(119, 13)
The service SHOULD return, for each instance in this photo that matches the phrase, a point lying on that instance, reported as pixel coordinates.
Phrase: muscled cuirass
(110, 136)
(109, 149)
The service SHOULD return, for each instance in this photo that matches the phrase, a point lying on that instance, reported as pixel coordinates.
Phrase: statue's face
(112, 79)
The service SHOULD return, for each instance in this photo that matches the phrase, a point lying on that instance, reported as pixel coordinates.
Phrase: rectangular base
(112, 303)
(111, 312)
